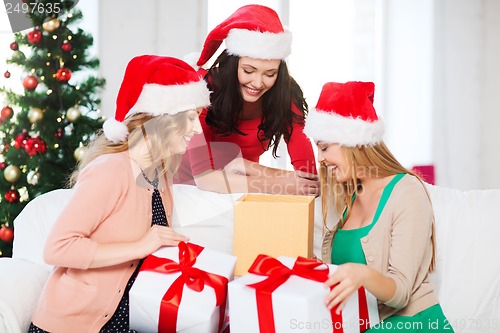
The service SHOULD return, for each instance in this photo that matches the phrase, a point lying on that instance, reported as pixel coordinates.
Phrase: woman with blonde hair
(384, 239)
(121, 204)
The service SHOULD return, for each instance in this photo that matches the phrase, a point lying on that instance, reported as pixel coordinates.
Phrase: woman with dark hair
(255, 104)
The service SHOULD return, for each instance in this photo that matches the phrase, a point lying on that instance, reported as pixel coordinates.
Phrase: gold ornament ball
(51, 25)
(12, 173)
(73, 114)
(35, 114)
(80, 153)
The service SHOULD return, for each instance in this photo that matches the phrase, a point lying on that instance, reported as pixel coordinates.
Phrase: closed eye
(322, 147)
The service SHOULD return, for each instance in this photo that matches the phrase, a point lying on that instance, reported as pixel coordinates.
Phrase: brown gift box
(276, 225)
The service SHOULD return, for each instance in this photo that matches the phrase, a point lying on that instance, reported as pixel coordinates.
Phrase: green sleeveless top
(347, 243)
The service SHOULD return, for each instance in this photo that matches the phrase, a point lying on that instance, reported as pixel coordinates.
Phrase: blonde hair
(374, 161)
(157, 131)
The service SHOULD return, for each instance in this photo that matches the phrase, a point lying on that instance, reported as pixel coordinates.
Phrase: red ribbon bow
(194, 278)
(277, 274)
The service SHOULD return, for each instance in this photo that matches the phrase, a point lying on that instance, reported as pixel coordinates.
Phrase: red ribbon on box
(277, 274)
(194, 278)
(364, 319)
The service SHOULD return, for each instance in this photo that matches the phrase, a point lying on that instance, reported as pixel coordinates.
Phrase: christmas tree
(45, 125)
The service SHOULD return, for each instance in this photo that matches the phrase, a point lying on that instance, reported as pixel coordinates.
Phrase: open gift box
(277, 225)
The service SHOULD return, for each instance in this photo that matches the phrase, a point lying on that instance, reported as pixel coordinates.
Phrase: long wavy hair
(156, 131)
(376, 161)
(227, 102)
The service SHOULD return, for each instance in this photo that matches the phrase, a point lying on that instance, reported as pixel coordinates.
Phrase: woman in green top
(384, 240)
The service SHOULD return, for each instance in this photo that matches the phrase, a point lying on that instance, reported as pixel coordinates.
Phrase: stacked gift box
(181, 289)
(190, 288)
(287, 295)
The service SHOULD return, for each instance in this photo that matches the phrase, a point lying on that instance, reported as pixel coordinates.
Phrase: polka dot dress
(119, 322)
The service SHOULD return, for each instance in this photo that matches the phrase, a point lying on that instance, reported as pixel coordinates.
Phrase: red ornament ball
(21, 140)
(7, 234)
(6, 113)
(66, 46)
(30, 82)
(14, 46)
(35, 146)
(63, 74)
(6, 74)
(35, 36)
(12, 196)
(2, 165)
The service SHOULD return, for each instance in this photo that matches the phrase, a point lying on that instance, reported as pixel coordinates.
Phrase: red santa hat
(251, 31)
(155, 85)
(345, 115)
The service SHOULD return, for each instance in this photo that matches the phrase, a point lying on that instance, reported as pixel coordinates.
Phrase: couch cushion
(467, 278)
(32, 225)
(21, 288)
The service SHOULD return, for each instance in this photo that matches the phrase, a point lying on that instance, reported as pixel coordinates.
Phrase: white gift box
(197, 312)
(298, 306)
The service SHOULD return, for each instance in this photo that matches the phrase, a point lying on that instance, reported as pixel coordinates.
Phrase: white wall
(129, 28)
(466, 98)
(437, 89)
(490, 120)
(405, 79)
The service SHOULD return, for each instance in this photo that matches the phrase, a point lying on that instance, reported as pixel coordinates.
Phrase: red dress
(201, 157)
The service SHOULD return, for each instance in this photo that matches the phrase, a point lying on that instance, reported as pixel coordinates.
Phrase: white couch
(467, 278)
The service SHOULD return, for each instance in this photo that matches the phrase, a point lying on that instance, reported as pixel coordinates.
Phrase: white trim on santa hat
(157, 99)
(259, 45)
(349, 132)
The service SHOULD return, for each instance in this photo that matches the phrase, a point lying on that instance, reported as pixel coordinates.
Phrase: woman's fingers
(338, 297)
(168, 236)
(309, 187)
(307, 175)
(342, 286)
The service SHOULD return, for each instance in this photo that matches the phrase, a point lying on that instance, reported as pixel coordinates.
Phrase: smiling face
(193, 126)
(256, 76)
(333, 157)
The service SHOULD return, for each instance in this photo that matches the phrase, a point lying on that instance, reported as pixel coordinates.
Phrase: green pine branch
(42, 114)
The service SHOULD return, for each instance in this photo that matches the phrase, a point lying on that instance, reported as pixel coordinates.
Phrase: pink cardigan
(107, 206)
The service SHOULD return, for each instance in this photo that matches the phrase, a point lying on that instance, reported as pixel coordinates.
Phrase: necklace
(154, 182)
(159, 214)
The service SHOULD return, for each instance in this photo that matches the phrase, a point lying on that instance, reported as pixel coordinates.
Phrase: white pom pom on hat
(191, 59)
(114, 130)
(155, 85)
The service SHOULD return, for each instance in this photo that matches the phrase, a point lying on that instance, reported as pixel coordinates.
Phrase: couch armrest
(22, 282)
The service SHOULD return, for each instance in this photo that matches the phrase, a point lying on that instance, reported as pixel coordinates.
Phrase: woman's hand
(159, 236)
(346, 280)
(236, 166)
(241, 175)
(239, 166)
(109, 254)
(307, 183)
(286, 182)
